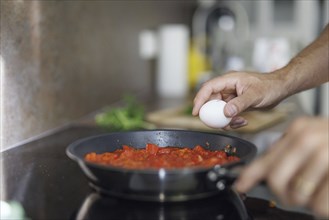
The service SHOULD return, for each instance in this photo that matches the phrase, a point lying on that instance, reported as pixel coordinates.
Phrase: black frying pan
(163, 184)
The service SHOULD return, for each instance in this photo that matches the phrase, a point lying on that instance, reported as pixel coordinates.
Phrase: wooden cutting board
(176, 117)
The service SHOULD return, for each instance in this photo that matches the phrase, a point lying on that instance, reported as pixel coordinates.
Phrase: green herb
(229, 150)
(128, 117)
(188, 110)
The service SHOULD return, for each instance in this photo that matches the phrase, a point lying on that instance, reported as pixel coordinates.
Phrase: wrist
(289, 78)
(282, 81)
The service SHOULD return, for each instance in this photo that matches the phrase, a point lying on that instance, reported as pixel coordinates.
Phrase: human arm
(296, 166)
(245, 90)
(310, 67)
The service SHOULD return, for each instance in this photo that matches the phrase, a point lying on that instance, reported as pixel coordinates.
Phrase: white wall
(301, 31)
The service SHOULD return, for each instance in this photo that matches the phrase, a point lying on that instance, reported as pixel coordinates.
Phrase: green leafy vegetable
(128, 117)
(188, 110)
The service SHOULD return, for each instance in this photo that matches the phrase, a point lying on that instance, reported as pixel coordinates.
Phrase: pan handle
(224, 176)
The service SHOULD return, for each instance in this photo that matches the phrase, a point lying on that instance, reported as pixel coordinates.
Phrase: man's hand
(296, 167)
(242, 91)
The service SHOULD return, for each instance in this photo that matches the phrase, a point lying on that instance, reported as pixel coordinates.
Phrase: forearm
(309, 68)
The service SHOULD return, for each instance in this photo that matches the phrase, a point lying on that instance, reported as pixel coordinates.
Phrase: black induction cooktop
(49, 185)
(226, 206)
(97, 206)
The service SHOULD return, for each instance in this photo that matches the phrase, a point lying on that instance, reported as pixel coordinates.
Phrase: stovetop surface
(98, 206)
(49, 185)
(223, 207)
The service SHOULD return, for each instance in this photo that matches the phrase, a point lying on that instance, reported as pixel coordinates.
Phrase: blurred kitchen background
(63, 60)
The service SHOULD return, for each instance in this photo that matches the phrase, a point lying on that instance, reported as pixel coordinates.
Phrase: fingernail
(231, 110)
(238, 124)
(238, 121)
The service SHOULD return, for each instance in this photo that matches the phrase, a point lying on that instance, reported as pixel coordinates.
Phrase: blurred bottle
(199, 65)
(220, 30)
(172, 76)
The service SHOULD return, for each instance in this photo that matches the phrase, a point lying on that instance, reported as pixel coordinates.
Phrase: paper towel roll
(172, 78)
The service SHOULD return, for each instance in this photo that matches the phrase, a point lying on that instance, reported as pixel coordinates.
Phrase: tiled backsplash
(65, 59)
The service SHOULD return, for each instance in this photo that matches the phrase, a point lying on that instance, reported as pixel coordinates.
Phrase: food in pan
(155, 157)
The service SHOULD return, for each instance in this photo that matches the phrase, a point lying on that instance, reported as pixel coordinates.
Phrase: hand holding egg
(212, 114)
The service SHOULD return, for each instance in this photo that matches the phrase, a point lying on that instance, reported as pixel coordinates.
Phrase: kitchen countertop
(49, 185)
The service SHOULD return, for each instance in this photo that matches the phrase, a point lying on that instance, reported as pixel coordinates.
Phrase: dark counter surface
(40, 176)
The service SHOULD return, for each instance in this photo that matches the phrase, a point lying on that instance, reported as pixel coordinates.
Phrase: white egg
(212, 114)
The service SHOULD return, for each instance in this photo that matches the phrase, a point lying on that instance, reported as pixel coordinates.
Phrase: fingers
(206, 91)
(295, 167)
(236, 126)
(237, 122)
(305, 182)
(304, 186)
(234, 106)
(225, 85)
(238, 104)
(260, 168)
(234, 88)
(320, 202)
(287, 166)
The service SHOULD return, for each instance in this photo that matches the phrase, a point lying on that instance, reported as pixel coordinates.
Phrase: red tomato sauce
(153, 156)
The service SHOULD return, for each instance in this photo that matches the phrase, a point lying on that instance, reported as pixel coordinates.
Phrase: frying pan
(160, 184)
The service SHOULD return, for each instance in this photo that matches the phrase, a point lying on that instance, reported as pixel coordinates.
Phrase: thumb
(237, 105)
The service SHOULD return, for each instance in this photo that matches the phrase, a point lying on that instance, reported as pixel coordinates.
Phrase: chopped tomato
(153, 156)
(152, 148)
(199, 148)
(127, 148)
